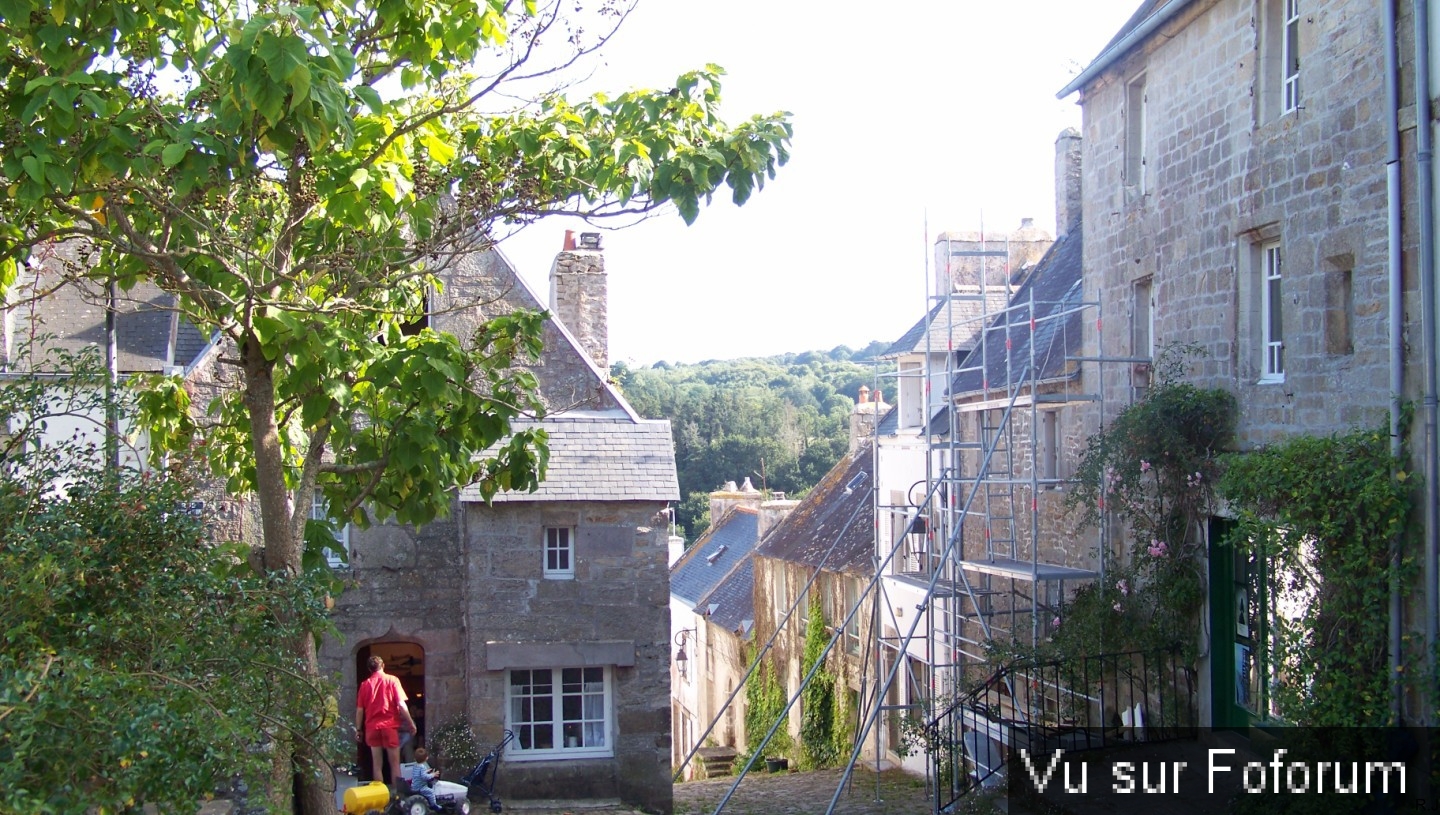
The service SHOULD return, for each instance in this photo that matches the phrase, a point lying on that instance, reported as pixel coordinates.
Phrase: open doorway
(406, 662)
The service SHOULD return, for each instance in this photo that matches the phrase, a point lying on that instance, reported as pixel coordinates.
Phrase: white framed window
(1135, 100)
(559, 553)
(1272, 336)
(560, 712)
(1290, 57)
(1279, 59)
(320, 511)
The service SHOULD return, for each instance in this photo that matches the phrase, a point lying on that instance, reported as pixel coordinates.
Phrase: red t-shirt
(380, 697)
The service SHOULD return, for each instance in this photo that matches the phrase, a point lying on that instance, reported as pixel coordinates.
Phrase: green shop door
(1233, 654)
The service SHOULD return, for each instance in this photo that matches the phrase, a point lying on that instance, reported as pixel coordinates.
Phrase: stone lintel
(500, 656)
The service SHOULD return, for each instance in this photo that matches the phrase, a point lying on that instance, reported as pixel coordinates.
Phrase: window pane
(571, 717)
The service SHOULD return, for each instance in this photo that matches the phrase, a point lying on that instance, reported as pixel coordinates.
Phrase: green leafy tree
(134, 666)
(781, 423)
(294, 173)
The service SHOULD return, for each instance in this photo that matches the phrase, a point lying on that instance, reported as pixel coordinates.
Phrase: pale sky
(930, 111)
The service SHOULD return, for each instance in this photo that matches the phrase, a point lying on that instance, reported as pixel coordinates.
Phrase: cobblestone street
(804, 794)
(783, 794)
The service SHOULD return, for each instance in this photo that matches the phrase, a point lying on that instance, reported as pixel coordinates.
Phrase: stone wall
(620, 594)
(1221, 175)
(459, 587)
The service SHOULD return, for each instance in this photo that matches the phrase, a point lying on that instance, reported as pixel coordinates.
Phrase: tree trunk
(296, 760)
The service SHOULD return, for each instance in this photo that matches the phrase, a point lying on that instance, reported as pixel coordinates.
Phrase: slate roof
(725, 547)
(1056, 288)
(831, 529)
(601, 457)
(731, 604)
(75, 315)
(963, 315)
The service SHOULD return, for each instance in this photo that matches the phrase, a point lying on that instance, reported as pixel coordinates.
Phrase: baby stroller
(480, 781)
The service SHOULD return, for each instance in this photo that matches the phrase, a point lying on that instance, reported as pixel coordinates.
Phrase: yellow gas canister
(365, 797)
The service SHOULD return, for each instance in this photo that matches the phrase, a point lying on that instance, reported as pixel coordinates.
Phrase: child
(422, 778)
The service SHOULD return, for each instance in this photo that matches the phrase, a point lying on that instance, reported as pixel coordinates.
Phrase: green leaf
(370, 97)
(34, 168)
(173, 154)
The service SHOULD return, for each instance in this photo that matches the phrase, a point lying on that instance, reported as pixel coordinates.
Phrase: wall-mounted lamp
(681, 660)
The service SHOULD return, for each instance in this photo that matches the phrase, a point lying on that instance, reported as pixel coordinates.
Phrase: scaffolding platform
(1023, 570)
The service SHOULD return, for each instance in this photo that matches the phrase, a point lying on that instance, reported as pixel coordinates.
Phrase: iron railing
(1080, 703)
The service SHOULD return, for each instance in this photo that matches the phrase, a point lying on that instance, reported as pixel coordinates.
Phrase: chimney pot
(569, 241)
(590, 240)
(879, 397)
(864, 394)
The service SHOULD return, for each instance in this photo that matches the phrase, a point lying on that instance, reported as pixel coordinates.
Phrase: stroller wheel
(495, 805)
(414, 805)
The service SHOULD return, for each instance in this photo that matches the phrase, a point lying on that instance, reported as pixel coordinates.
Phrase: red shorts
(383, 737)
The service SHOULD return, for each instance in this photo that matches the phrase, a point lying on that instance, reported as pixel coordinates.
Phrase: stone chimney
(1067, 181)
(578, 295)
(729, 496)
(772, 513)
(962, 256)
(866, 415)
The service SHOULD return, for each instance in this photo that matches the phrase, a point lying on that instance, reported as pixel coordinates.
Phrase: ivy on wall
(765, 701)
(1321, 513)
(1318, 514)
(819, 718)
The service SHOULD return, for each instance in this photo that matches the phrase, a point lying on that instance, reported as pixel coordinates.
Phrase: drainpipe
(1425, 192)
(1397, 316)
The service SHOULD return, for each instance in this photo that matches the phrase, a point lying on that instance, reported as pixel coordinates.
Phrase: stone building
(1237, 197)
(982, 433)
(712, 619)
(545, 613)
(41, 315)
(819, 557)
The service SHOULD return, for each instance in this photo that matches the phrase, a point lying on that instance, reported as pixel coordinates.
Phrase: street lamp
(681, 660)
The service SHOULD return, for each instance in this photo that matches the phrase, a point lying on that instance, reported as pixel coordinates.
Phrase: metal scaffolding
(969, 538)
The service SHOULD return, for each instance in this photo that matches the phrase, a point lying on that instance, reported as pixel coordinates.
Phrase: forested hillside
(782, 421)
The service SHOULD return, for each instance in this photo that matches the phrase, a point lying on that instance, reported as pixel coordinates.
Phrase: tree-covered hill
(782, 421)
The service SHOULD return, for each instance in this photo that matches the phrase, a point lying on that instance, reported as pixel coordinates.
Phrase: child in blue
(422, 778)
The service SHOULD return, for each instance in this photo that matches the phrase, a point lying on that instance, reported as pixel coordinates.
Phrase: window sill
(558, 755)
(1272, 380)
